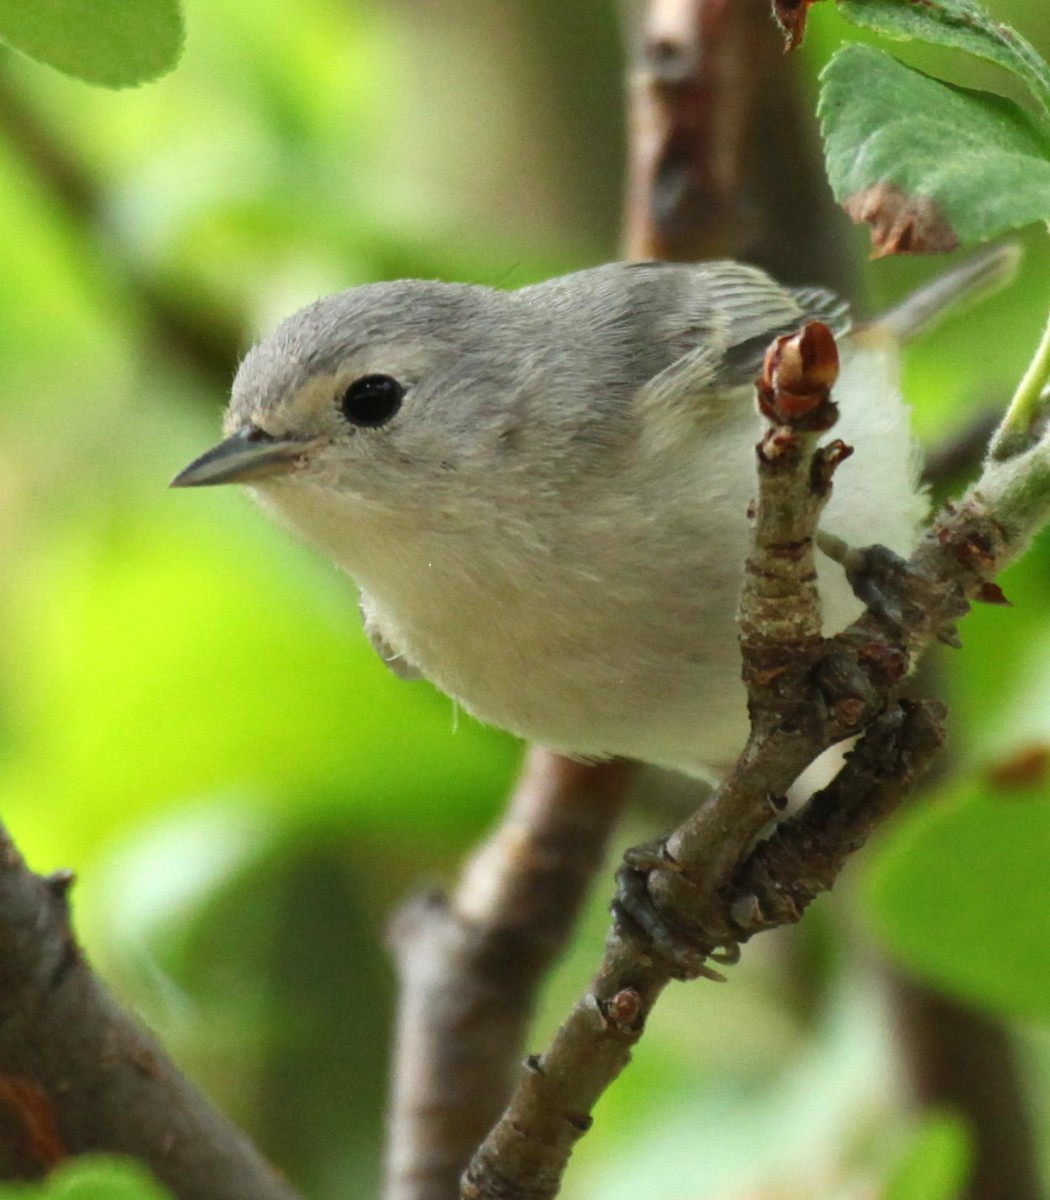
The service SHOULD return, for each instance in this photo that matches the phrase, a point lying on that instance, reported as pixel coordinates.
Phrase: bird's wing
(710, 323)
(725, 315)
(721, 318)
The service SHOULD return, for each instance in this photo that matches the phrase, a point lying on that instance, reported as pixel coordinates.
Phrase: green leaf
(93, 1178)
(935, 1164)
(243, 667)
(956, 894)
(929, 165)
(961, 24)
(115, 43)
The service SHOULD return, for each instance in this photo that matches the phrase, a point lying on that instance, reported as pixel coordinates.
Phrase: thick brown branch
(724, 160)
(470, 967)
(806, 853)
(78, 1075)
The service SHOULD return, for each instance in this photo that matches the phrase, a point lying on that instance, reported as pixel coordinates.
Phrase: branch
(805, 855)
(805, 694)
(470, 967)
(525, 1155)
(78, 1075)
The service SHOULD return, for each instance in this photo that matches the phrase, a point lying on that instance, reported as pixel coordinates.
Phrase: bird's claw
(887, 584)
(637, 915)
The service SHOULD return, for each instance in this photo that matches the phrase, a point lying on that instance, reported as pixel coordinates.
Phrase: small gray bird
(542, 494)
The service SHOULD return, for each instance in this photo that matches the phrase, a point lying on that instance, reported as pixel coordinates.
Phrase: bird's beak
(246, 455)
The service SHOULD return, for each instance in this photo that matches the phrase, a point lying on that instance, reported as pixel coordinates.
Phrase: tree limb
(78, 1075)
(470, 966)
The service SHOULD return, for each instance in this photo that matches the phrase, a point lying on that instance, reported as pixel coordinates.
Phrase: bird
(542, 494)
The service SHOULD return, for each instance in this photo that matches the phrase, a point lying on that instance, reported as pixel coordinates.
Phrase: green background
(191, 718)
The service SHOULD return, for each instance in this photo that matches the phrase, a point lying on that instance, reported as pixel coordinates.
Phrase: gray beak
(246, 455)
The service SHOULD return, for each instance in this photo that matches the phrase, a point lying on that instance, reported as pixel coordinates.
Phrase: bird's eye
(371, 400)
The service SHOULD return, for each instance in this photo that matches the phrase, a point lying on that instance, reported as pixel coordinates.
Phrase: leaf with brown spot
(929, 165)
(901, 224)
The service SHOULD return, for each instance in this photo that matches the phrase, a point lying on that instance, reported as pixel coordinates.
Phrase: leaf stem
(1016, 432)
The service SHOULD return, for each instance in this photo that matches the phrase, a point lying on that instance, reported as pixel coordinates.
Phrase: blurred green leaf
(115, 43)
(957, 894)
(291, 968)
(93, 1178)
(927, 164)
(202, 654)
(935, 1164)
(188, 711)
(1000, 680)
(961, 24)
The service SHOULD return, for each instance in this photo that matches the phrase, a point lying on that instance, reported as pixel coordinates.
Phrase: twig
(1026, 416)
(780, 629)
(525, 1155)
(850, 686)
(470, 967)
(805, 855)
(78, 1075)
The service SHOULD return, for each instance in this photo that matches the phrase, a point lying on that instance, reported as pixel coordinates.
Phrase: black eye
(371, 400)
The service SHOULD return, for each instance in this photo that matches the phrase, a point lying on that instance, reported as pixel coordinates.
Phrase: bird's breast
(599, 632)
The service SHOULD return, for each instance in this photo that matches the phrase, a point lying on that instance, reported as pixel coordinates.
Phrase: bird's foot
(887, 584)
(637, 915)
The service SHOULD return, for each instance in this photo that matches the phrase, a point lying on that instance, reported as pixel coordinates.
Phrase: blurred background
(191, 718)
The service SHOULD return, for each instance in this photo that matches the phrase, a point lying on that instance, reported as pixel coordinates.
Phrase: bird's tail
(985, 272)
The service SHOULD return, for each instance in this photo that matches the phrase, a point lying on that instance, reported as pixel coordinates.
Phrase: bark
(78, 1075)
(470, 966)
